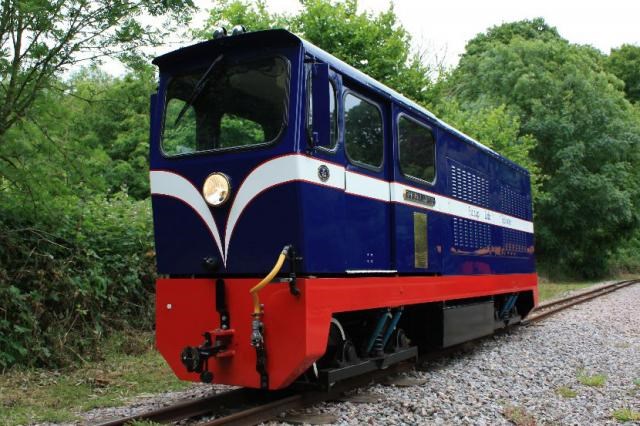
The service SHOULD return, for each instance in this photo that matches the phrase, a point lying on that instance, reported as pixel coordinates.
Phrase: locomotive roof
(266, 38)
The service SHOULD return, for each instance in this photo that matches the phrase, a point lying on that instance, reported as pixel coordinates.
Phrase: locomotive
(312, 224)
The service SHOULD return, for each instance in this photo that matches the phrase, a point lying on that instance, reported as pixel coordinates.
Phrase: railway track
(245, 406)
(250, 406)
(545, 310)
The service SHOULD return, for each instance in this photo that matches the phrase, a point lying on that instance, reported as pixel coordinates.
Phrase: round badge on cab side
(323, 173)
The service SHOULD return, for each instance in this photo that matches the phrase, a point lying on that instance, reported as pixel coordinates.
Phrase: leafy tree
(76, 250)
(112, 115)
(535, 29)
(41, 38)
(624, 63)
(374, 43)
(586, 133)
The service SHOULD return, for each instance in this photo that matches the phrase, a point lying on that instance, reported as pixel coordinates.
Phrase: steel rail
(559, 305)
(197, 407)
(257, 406)
(254, 405)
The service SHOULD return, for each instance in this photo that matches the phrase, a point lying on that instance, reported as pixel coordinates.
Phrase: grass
(131, 367)
(596, 380)
(551, 290)
(566, 392)
(518, 416)
(626, 415)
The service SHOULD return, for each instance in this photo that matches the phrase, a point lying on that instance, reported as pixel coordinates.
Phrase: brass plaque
(420, 247)
(418, 198)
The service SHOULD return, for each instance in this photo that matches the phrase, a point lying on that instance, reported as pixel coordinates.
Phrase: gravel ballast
(526, 376)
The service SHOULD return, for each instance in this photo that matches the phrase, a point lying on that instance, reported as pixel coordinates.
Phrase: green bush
(625, 259)
(71, 269)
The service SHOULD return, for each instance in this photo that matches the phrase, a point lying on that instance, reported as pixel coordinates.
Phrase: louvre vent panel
(513, 242)
(469, 186)
(513, 203)
(469, 235)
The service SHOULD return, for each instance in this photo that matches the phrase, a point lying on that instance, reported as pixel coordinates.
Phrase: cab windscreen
(228, 104)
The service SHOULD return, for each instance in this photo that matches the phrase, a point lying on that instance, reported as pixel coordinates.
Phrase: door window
(363, 131)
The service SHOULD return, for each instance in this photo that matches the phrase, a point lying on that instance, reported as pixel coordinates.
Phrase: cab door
(418, 229)
(366, 131)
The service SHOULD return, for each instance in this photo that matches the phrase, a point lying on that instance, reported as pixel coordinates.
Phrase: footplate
(330, 376)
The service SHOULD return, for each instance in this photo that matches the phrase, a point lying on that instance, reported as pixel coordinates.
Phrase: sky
(441, 29)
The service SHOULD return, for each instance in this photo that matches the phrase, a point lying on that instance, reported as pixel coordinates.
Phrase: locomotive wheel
(399, 340)
(340, 349)
(349, 353)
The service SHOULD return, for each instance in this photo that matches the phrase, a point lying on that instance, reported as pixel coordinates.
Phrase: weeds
(566, 392)
(131, 367)
(626, 415)
(518, 416)
(596, 380)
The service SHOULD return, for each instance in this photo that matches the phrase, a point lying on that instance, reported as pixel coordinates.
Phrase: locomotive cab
(225, 107)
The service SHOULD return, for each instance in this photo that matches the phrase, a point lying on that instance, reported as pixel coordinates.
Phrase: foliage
(535, 29)
(130, 367)
(586, 138)
(76, 255)
(376, 44)
(624, 63)
(102, 120)
(39, 39)
(71, 267)
(625, 258)
(111, 115)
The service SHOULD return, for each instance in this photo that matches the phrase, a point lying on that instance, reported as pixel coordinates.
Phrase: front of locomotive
(223, 162)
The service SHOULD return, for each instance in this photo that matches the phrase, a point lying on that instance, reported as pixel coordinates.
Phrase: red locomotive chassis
(295, 327)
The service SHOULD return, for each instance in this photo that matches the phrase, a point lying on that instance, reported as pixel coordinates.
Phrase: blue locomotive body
(400, 233)
(350, 205)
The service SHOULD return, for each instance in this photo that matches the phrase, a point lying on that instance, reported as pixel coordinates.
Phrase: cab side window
(333, 115)
(417, 150)
(363, 131)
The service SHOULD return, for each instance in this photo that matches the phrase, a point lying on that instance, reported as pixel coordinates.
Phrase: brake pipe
(257, 309)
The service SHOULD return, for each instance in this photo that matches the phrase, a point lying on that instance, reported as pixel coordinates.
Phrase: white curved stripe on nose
(173, 185)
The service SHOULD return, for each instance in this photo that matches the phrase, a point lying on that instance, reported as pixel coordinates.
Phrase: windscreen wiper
(198, 88)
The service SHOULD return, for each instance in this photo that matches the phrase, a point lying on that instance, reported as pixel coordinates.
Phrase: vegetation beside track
(549, 291)
(130, 368)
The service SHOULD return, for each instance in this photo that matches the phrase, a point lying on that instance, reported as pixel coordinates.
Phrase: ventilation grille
(514, 242)
(469, 186)
(513, 203)
(469, 235)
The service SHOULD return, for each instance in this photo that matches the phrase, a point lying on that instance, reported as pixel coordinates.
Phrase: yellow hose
(266, 280)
